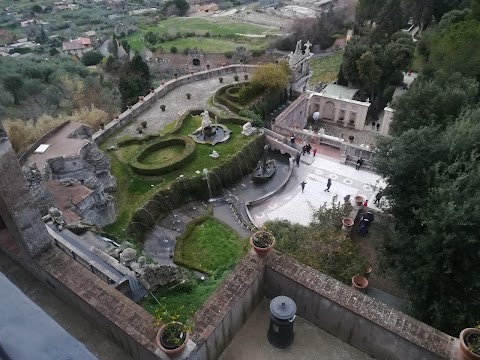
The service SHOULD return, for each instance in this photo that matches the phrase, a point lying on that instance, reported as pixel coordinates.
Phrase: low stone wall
(294, 115)
(127, 116)
(125, 322)
(346, 313)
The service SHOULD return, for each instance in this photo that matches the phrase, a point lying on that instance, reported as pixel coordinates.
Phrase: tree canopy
(270, 77)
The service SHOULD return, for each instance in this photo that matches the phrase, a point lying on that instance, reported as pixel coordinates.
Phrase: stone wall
(346, 313)
(127, 116)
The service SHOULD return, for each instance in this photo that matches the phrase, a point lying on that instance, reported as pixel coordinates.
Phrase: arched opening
(196, 62)
(329, 110)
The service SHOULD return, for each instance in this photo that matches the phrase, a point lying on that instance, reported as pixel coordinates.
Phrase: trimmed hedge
(222, 99)
(232, 93)
(174, 163)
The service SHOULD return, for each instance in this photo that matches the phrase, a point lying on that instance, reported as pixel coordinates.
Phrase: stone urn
(360, 283)
(262, 242)
(172, 338)
(141, 98)
(468, 337)
(116, 117)
(152, 90)
(359, 200)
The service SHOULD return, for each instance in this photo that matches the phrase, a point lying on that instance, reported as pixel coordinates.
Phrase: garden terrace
(135, 190)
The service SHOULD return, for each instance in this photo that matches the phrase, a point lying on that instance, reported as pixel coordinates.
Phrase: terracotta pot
(171, 352)
(347, 222)
(467, 354)
(116, 117)
(360, 283)
(262, 251)
(359, 200)
(367, 270)
(152, 90)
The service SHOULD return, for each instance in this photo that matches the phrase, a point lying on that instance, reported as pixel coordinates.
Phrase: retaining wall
(127, 116)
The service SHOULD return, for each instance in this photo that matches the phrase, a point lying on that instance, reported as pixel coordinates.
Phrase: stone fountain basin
(222, 134)
(169, 165)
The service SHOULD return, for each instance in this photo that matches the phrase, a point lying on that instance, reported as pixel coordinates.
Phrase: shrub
(144, 124)
(245, 76)
(228, 54)
(173, 50)
(92, 58)
(256, 119)
(162, 107)
(207, 34)
(258, 52)
(236, 77)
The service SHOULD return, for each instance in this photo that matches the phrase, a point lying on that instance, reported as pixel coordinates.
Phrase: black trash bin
(282, 316)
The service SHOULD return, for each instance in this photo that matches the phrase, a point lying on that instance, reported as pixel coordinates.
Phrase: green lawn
(163, 155)
(134, 190)
(209, 246)
(325, 69)
(221, 27)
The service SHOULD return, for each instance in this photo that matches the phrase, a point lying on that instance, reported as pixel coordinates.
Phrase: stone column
(17, 207)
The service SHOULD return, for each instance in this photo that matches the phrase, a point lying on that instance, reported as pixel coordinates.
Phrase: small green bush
(256, 119)
(173, 50)
(228, 54)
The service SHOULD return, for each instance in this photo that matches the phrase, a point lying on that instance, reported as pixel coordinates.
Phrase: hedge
(222, 99)
(232, 93)
(174, 163)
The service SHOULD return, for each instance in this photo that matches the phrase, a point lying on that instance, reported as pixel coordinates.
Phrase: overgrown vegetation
(325, 69)
(322, 244)
(208, 245)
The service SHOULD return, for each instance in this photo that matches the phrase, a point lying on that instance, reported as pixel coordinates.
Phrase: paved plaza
(293, 205)
(177, 104)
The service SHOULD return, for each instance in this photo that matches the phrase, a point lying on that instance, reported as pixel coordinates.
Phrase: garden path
(176, 105)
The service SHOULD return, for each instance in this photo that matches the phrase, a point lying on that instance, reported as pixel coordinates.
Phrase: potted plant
(262, 242)
(347, 224)
(208, 66)
(221, 79)
(360, 283)
(189, 96)
(191, 72)
(351, 138)
(236, 77)
(129, 106)
(139, 129)
(144, 124)
(175, 75)
(162, 107)
(141, 98)
(116, 117)
(174, 332)
(359, 200)
(152, 90)
(245, 76)
(470, 343)
(102, 126)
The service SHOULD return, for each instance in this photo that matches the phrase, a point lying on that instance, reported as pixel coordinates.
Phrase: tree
(14, 85)
(457, 48)
(137, 65)
(390, 20)
(126, 46)
(241, 54)
(433, 102)
(92, 58)
(134, 80)
(270, 77)
(181, 7)
(37, 9)
(369, 9)
(432, 247)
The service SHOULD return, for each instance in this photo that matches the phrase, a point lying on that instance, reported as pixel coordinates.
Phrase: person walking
(329, 183)
(378, 197)
(297, 159)
(292, 140)
(378, 126)
(304, 149)
(373, 125)
(314, 152)
(302, 184)
(359, 164)
(308, 148)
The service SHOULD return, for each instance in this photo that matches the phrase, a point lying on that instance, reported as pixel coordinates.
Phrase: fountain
(265, 168)
(210, 133)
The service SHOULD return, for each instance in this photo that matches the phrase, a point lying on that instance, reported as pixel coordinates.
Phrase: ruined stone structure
(73, 175)
(299, 66)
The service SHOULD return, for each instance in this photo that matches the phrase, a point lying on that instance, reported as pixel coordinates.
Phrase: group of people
(377, 124)
(307, 148)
